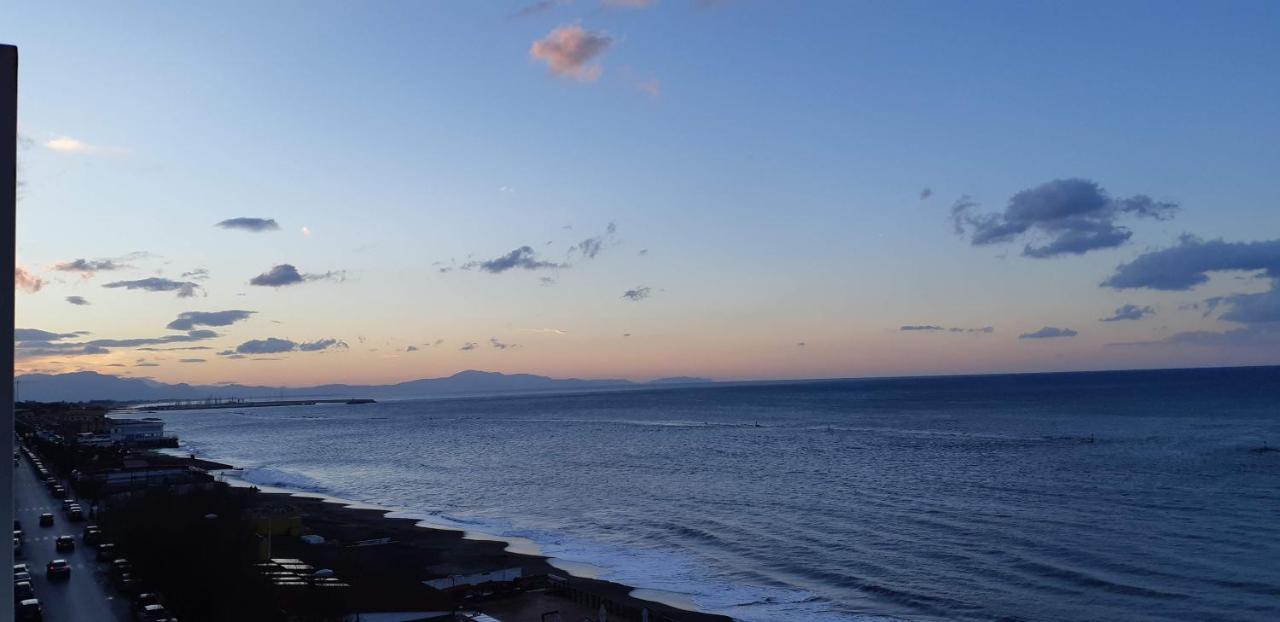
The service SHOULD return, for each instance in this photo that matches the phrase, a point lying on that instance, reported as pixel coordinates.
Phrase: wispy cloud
(244, 223)
(1129, 312)
(275, 345)
(537, 8)
(66, 144)
(568, 51)
(499, 345)
(637, 294)
(469, 346)
(1049, 332)
(523, 258)
(185, 289)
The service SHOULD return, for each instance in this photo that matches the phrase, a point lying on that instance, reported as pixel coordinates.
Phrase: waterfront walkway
(86, 596)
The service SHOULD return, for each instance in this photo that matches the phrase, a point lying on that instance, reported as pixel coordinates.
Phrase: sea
(1136, 495)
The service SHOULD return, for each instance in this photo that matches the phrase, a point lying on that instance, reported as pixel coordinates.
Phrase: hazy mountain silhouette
(87, 385)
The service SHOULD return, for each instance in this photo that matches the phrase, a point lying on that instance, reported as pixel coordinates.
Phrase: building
(136, 431)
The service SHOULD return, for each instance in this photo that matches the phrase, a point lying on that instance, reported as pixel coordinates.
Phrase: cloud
(469, 346)
(1188, 264)
(35, 334)
(926, 193)
(628, 4)
(77, 300)
(66, 144)
(568, 50)
(191, 360)
(933, 328)
(270, 345)
(651, 87)
(191, 319)
(250, 224)
(592, 246)
(154, 349)
(1130, 312)
(493, 341)
(1258, 336)
(542, 6)
(33, 346)
(637, 294)
(26, 281)
(89, 267)
(199, 274)
(411, 349)
(920, 327)
(547, 331)
(146, 364)
(185, 289)
(1075, 215)
(801, 344)
(322, 344)
(523, 258)
(286, 274)
(1049, 332)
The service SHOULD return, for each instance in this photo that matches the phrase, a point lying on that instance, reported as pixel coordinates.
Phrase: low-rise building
(129, 431)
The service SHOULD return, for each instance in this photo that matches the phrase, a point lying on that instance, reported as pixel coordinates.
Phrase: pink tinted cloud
(628, 4)
(26, 281)
(568, 50)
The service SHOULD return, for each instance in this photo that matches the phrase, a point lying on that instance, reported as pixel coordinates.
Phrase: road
(87, 595)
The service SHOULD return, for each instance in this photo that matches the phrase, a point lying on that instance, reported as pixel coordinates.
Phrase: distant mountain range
(88, 386)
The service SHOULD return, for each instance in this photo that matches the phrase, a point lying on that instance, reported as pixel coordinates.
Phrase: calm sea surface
(1100, 496)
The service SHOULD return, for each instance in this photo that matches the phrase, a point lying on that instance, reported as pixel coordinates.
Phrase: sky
(297, 193)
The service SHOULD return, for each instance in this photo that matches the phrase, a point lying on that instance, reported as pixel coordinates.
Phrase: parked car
(17, 525)
(92, 535)
(22, 590)
(46, 520)
(67, 503)
(57, 569)
(153, 613)
(120, 566)
(29, 611)
(106, 551)
(75, 514)
(64, 544)
(17, 533)
(125, 583)
(141, 600)
(17, 548)
(59, 491)
(20, 568)
(21, 576)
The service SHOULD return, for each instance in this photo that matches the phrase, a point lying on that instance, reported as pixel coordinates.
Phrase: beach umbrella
(604, 615)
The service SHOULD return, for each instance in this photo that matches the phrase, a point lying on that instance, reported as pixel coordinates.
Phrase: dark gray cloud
(77, 300)
(191, 319)
(89, 266)
(35, 334)
(1130, 312)
(322, 344)
(801, 344)
(523, 258)
(926, 193)
(920, 327)
(1074, 216)
(199, 274)
(270, 345)
(498, 345)
(146, 364)
(930, 328)
(1188, 264)
(411, 349)
(185, 289)
(469, 346)
(250, 224)
(637, 294)
(57, 346)
(274, 345)
(1049, 332)
(191, 360)
(155, 349)
(1266, 336)
(286, 274)
(590, 247)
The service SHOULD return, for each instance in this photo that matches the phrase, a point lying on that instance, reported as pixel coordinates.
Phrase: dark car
(22, 590)
(106, 551)
(142, 599)
(67, 503)
(75, 514)
(125, 583)
(153, 613)
(17, 525)
(46, 520)
(59, 491)
(29, 611)
(57, 569)
(120, 566)
(64, 544)
(92, 535)
(20, 576)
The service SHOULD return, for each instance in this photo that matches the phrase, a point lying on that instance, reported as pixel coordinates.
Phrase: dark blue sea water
(1093, 496)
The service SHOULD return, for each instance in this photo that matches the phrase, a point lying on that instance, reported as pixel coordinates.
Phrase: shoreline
(343, 516)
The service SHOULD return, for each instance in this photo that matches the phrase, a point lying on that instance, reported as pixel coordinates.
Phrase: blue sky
(768, 157)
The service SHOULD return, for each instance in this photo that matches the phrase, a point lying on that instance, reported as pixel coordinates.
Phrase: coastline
(342, 519)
